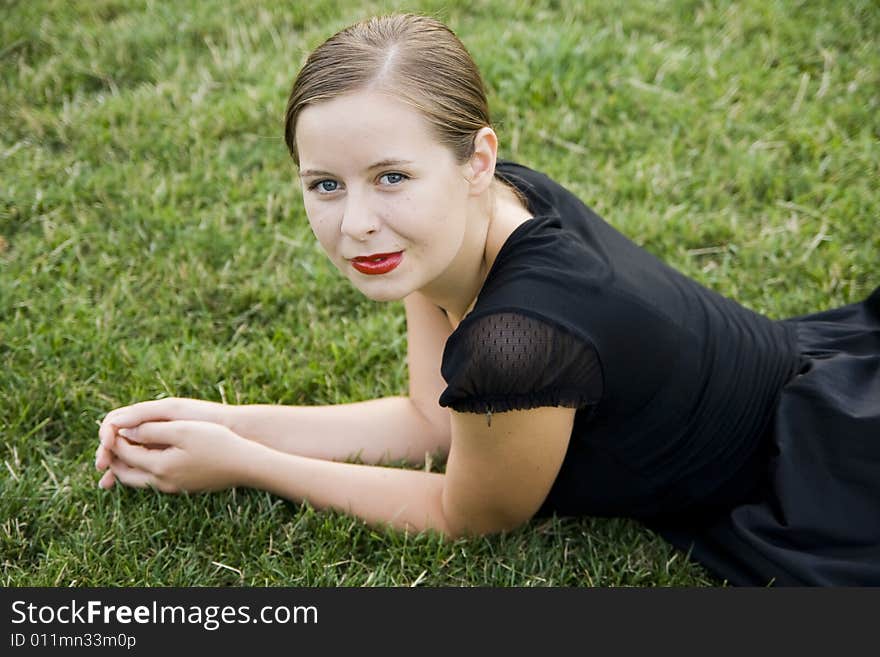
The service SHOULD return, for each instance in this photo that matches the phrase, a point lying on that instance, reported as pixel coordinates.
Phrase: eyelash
(395, 173)
(314, 186)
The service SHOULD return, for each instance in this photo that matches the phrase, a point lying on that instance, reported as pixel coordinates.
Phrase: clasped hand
(144, 445)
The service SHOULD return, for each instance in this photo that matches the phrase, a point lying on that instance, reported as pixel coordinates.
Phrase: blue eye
(325, 186)
(392, 178)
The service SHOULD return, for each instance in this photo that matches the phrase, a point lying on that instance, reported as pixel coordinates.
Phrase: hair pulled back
(415, 59)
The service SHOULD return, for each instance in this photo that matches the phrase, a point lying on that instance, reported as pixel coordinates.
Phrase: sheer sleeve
(512, 361)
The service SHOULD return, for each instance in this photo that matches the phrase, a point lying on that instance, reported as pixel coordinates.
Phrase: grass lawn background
(153, 243)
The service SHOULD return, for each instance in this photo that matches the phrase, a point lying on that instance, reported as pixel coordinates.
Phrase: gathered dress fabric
(750, 443)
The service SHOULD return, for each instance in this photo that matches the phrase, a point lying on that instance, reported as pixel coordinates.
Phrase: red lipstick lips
(378, 263)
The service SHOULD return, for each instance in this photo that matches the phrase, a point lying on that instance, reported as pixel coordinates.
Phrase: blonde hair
(416, 59)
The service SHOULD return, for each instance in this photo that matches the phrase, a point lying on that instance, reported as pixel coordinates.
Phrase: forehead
(362, 126)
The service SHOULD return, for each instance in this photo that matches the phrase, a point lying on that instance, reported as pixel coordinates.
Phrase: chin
(383, 296)
(381, 293)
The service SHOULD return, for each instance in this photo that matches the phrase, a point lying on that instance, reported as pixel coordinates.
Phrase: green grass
(154, 244)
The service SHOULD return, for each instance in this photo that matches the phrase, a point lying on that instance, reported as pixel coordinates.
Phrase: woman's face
(376, 181)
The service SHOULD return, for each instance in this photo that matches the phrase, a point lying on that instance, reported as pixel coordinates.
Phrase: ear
(480, 167)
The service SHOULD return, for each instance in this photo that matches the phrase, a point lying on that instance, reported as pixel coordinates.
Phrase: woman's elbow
(457, 525)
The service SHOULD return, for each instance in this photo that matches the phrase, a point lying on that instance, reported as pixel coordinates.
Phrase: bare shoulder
(500, 471)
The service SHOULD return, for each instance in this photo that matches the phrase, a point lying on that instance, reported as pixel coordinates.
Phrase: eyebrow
(393, 162)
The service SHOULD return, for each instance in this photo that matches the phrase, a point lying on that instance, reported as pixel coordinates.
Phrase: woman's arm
(385, 429)
(193, 456)
(404, 499)
(496, 478)
(375, 431)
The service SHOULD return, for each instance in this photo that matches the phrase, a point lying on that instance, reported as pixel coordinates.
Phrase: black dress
(752, 443)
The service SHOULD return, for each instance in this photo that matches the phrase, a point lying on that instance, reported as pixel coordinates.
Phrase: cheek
(322, 225)
(426, 214)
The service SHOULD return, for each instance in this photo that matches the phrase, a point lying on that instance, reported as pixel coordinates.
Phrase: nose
(358, 220)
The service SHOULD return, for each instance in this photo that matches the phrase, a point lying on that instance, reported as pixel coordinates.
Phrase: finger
(157, 433)
(105, 433)
(107, 480)
(134, 414)
(139, 456)
(102, 458)
(129, 476)
(110, 427)
(109, 430)
(121, 417)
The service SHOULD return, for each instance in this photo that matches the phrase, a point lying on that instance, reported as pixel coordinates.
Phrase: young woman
(560, 367)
